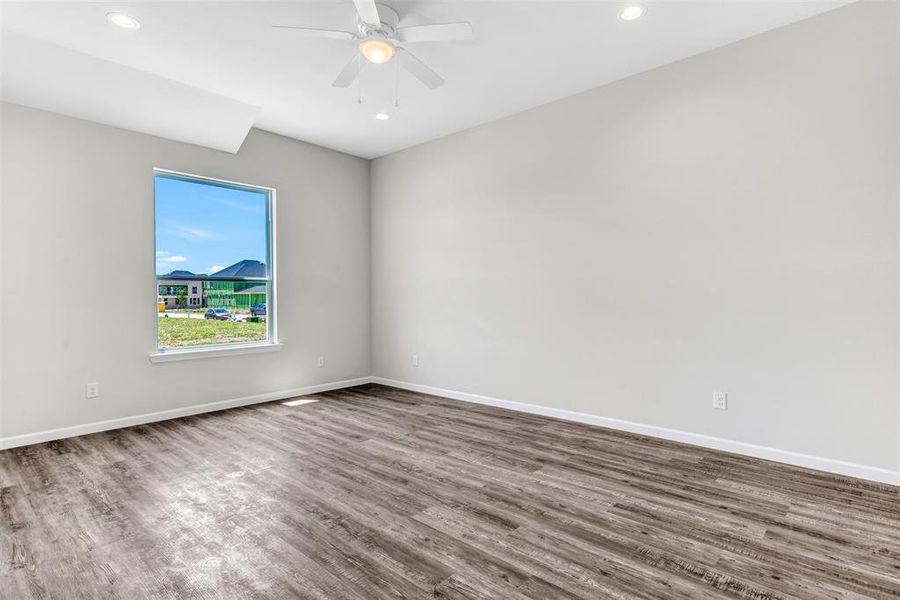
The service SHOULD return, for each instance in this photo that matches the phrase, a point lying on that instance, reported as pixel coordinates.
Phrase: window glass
(213, 251)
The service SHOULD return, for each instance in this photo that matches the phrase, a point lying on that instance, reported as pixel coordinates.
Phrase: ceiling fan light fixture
(377, 50)
(632, 12)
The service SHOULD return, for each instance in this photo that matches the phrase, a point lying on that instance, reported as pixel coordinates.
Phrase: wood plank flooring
(377, 493)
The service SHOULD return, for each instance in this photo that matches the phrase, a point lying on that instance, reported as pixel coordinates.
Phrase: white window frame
(271, 343)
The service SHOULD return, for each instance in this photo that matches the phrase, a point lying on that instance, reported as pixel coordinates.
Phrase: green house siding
(252, 299)
(239, 295)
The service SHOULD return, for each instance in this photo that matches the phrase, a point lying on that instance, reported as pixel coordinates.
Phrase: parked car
(219, 314)
(258, 311)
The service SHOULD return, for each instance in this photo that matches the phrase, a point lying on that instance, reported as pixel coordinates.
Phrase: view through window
(214, 281)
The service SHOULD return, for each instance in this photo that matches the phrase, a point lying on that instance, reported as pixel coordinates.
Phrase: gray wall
(728, 222)
(78, 219)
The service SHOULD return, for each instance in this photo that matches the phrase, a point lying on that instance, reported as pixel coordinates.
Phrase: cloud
(214, 269)
(256, 209)
(164, 258)
(193, 234)
(254, 206)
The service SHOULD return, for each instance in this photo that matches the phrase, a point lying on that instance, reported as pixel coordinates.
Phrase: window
(214, 239)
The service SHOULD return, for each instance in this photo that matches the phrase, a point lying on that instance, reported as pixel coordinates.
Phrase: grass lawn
(174, 333)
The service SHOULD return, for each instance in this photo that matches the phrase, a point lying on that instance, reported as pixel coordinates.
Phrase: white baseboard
(163, 415)
(829, 465)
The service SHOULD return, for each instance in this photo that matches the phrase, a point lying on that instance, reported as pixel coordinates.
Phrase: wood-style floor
(377, 493)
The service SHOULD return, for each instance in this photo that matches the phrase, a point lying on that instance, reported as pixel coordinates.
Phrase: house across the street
(239, 295)
(181, 289)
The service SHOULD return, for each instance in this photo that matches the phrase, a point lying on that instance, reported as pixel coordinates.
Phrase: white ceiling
(525, 54)
(50, 77)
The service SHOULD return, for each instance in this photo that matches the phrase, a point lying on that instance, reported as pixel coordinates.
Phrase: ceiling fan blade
(319, 33)
(419, 70)
(441, 32)
(348, 73)
(368, 12)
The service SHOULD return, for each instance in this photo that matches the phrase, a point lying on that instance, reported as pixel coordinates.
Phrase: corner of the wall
(371, 289)
(896, 54)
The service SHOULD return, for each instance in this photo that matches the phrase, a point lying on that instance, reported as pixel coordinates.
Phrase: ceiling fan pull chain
(396, 83)
(359, 80)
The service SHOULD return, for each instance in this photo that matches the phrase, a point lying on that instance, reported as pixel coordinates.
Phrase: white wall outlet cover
(92, 390)
(415, 360)
(321, 361)
(720, 400)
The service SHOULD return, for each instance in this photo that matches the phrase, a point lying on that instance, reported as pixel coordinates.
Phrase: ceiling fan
(380, 39)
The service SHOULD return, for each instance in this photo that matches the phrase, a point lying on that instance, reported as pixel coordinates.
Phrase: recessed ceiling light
(122, 20)
(631, 12)
(382, 116)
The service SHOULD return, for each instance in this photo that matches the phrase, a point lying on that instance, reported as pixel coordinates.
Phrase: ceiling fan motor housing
(389, 21)
(379, 38)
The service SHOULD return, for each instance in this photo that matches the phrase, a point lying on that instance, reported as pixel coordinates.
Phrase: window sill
(195, 353)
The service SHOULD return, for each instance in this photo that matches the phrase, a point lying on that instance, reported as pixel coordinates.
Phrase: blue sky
(203, 228)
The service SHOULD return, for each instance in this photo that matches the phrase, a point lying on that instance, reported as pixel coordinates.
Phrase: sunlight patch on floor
(298, 402)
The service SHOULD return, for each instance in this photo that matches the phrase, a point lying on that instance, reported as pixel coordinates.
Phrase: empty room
(471, 299)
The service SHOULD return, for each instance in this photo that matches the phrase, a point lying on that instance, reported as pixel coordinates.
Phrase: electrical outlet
(720, 400)
(92, 390)
(415, 360)
(321, 362)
